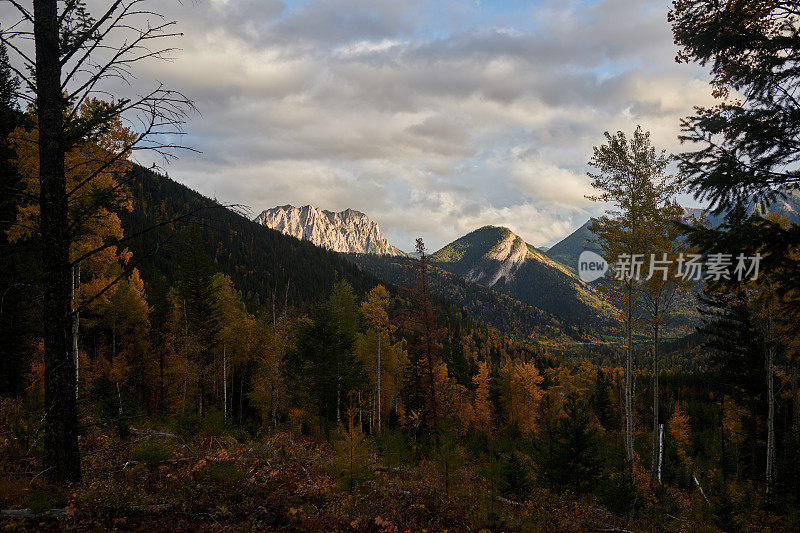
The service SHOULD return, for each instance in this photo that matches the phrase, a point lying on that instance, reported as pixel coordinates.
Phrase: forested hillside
(497, 258)
(509, 316)
(260, 261)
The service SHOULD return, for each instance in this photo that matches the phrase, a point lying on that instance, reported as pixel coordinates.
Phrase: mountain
(495, 257)
(347, 231)
(259, 260)
(262, 261)
(568, 249)
(788, 205)
(507, 315)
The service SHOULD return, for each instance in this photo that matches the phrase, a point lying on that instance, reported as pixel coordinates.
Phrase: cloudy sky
(433, 117)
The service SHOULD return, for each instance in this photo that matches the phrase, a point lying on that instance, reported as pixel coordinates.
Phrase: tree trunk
(795, 401)
(378, 396)
(660, 451)
(628, 388)
(224, 382)
(273, 385)
(724, 454)
(185, 355)
(770, 401)
(656, 433)
(161, 365)
(202, 380)
(76, 321)
(61, 458)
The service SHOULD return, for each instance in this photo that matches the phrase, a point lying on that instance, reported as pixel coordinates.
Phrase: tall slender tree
(199, 298)
(421, 323)
(633, 177)
(661, 290)
(75, 56)
(374, 310)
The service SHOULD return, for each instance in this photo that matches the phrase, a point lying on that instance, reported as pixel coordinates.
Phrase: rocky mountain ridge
(347, 231)
(496, 257)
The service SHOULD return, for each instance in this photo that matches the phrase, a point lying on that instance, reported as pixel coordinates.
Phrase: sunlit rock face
(347, 231)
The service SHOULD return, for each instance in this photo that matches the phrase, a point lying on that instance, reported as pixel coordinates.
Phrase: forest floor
(152, 480)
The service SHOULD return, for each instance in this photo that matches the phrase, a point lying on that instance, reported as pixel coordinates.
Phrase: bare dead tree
(66, 56)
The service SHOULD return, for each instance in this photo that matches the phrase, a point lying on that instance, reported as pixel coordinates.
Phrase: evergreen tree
(420, 386)
(349, 371)
(747, 144)
(158, 299)
(198, 299)
(601, 400)
(516, 478)
(458, 365)
(447, 456)
(18, 264)
(737, 357)
(567, 453)
(322, 369)
(9, 86)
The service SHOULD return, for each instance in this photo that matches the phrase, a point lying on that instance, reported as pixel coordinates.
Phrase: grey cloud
(355, 103)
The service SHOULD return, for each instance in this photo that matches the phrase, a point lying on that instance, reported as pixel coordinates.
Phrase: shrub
(188, 424)
(617, 493)
(516, 481)
(151, 453)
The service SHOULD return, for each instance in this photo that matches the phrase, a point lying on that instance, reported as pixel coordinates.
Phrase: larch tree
(520, 393)
(662, 287)
(75, 57)
(93, 166)
(483, 404)
(632, 176)
(376, 316)
(239, 340)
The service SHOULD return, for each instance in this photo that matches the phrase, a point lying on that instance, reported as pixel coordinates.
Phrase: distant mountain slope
(508, 315)
(495, 257)
(787, 206)
(258, 259)
(347, 231)
(568, 249)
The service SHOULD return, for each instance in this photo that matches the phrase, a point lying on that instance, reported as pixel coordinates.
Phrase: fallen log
(393, 470)
(506, 501)
(59, 513)
(27, 513)
(151, 433)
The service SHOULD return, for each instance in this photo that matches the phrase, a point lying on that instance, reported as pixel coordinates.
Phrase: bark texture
(61, 459)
